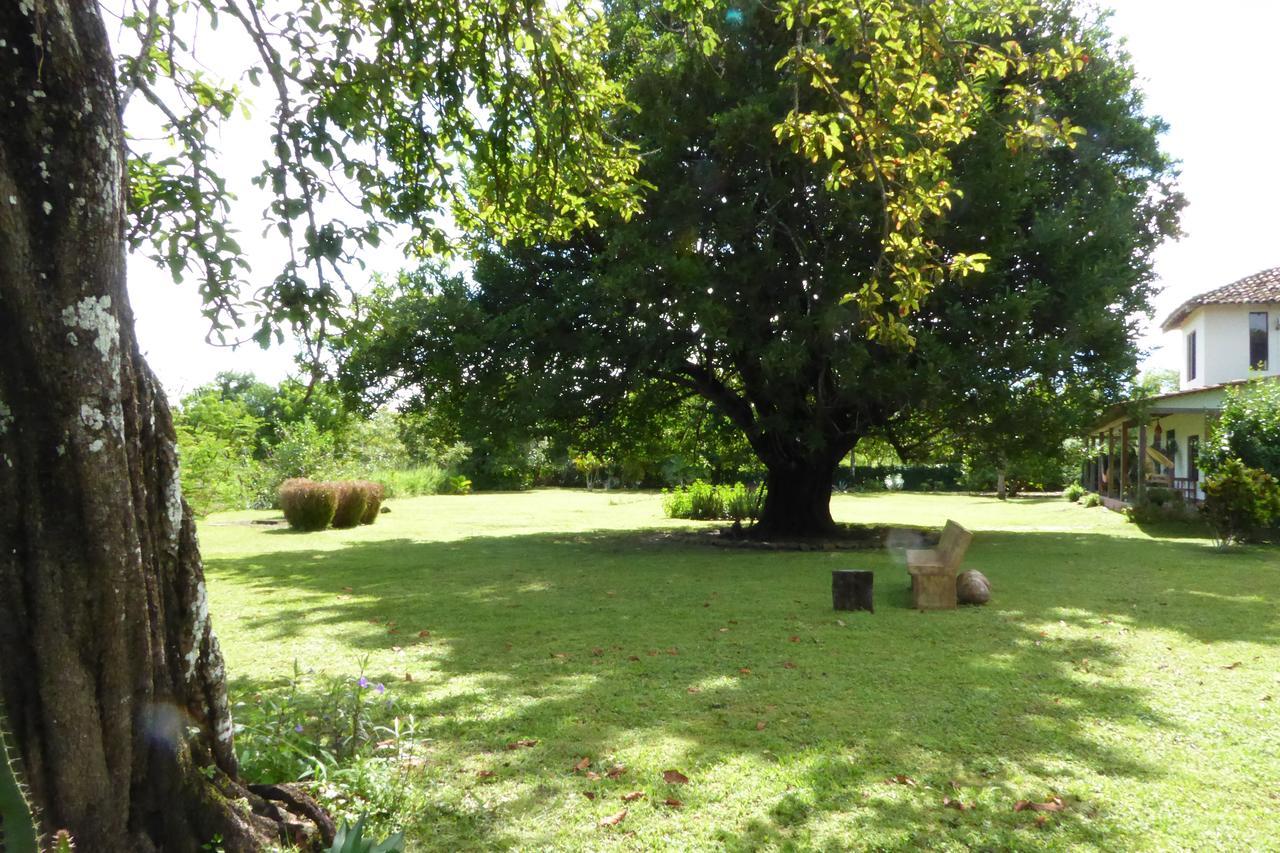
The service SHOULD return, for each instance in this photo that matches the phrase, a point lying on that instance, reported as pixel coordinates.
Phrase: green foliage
(1239, 500)
(517, 140)
(411, 482)
(1248, 429)
(703, 501)
(308, 505)
(352, 498)
(1159, 504)
(18, 830)
(456, 485)
(1073, 492)
(731, 284)
(1091, 500)
(350, 839)
(743, 503)
(217, 443)
(913, 478)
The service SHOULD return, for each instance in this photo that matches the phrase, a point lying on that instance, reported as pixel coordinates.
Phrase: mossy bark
(110, 673)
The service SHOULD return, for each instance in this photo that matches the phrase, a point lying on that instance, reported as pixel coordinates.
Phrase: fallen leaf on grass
(1053, 805)
(597, 651)
(634, 658)
(744, 671)
(582, 765)
(486, 774)
(632, 797)
(673, 651)
(593, 776)
(788, 665)
(517, 744)
(1232, 666)
(590, 795)
(616, 771)
(673, 802)
(693, 690)
(559, 655)
(674, 777)
(760, 726)
(652, 652)
(614, 819)
(959, 806)
(424, 634)
(901, 779)
(793, 639)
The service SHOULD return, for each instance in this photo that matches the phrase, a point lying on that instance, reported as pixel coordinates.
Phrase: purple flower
(298, 727)
(363, 682)
(381, 688)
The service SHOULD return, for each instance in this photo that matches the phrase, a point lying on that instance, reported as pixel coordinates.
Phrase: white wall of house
(1222, 344)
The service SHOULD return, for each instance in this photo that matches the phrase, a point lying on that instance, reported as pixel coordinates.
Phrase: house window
(1257, 340)
(1191, 356)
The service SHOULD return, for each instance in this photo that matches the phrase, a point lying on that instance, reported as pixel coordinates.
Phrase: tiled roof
(1260, 287)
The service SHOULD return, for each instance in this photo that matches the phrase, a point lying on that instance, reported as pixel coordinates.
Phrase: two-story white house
(1229, 336)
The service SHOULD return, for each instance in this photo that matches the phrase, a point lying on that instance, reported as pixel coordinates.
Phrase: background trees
(757, 281)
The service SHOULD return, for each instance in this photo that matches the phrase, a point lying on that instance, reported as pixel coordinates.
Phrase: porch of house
(1129, 455)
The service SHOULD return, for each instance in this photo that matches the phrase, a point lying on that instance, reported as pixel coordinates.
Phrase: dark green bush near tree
(1239, 500)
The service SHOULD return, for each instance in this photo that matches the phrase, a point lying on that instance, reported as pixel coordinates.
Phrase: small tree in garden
(1239, 500)
(1248, 429)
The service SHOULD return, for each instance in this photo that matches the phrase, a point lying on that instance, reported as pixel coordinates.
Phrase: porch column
(1111, 460)
(1142, 461)
(1124, 460)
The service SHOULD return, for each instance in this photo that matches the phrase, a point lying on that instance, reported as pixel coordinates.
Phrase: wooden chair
(933, 571)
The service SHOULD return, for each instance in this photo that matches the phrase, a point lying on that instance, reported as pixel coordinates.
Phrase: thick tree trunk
(110, 675)
(797, 501)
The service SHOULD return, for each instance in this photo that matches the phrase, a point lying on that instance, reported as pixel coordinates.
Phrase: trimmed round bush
(373, 493)
(308, 505)
(352, 497)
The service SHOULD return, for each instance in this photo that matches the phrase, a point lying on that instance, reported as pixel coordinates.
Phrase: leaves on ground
(1053, 804)
(582, 765)
(673, 802)
(632, 797)
(901, 779)
(674, 777)
(614, 819)
(517, 744)
(616, 771)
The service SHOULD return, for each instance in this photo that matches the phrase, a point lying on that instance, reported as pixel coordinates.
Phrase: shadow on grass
(599, 644)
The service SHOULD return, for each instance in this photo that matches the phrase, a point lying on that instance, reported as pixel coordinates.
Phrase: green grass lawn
(1135, 676)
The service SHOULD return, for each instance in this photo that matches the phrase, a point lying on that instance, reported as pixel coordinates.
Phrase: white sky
(1209, 69)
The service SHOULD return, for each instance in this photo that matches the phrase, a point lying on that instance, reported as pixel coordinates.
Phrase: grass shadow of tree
(621, 646)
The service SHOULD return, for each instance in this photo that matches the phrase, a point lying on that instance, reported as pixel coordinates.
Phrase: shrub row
(309, 505)
(703, 501)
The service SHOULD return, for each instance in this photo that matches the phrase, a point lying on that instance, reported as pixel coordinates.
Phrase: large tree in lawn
(111, 681)
(810, 307)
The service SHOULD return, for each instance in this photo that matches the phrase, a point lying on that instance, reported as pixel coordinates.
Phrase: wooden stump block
(851, 590)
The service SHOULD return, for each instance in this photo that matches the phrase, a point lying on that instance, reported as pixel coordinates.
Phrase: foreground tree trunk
(110, 675)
